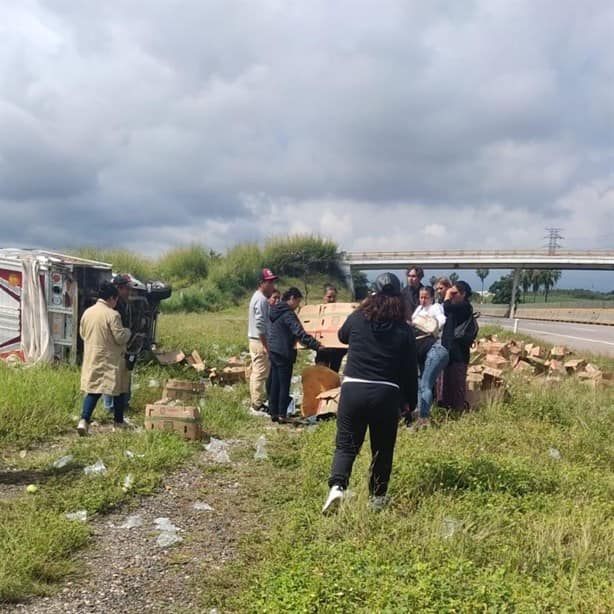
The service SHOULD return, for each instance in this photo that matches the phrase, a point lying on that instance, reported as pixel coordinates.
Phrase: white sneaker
(333, 501)
(82, 427)
(377, 504)
(258, 412)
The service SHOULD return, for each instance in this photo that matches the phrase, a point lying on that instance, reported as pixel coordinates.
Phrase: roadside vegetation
(505, 509)
(204, 280)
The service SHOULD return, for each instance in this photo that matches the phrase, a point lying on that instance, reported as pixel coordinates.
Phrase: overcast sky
(148, 124)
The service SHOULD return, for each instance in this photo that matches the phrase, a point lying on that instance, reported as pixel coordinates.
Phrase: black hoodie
(286, 329)
(382, 351)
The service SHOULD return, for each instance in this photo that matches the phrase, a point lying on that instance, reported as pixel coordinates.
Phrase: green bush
(301, 255)
(184, 266)
(122, 260)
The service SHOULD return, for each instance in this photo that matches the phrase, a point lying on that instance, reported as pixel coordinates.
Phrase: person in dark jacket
(285, 330)
(380, 378)
(457, 310)
(411, 292)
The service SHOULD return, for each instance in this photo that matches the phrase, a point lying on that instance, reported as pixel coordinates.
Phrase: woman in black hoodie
(286, 329)
(380, 378)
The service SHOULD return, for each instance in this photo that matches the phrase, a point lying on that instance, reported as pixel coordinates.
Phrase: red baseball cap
(268, 275)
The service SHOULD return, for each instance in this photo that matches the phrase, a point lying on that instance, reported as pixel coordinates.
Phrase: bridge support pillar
(346, 270)
(515, 284)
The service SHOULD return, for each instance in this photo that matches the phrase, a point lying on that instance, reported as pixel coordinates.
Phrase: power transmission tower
(553, 237)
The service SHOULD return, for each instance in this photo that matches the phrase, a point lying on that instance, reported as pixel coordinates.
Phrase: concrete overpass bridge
(514, 260)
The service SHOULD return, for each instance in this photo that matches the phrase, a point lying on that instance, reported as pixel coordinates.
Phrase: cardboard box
(183, 390)
(183, 420)
(324, 321)
(328, 403)
(316, 379)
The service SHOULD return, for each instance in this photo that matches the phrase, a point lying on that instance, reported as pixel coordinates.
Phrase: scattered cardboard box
(183, 390)
(179, 419)
(324, 321)
(195, 361)
(328, 403)
(169, 357)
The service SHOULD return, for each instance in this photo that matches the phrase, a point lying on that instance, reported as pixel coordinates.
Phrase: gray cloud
(223, 122)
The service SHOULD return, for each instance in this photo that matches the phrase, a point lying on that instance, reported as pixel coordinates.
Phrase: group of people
(273, 330)
(404, 351)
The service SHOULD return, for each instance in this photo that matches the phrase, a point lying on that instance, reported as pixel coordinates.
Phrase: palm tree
(526, 279)
(482, 274)
(536, 282)
(550, 277)
(433, 280)
(453, 277)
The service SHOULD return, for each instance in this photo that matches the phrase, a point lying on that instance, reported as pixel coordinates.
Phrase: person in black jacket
(457, 310)
(284, 331)
(380, 378)
(411, 292)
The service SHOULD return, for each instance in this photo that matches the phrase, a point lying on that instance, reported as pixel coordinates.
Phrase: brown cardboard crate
(328, 402)
(184, 421)
(183, 390)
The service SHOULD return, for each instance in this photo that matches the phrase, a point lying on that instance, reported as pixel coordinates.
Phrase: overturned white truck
(43, 295)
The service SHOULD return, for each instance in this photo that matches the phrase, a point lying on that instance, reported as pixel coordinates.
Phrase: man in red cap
(258, 319)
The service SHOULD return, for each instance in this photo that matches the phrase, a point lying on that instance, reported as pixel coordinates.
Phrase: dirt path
(124, 570)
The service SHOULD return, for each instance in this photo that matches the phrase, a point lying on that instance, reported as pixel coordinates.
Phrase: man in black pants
(381, 377)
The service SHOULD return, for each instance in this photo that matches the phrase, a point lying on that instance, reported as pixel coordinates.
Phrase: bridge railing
(426, 254)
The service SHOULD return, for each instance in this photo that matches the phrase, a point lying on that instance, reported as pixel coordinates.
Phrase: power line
(553, 237)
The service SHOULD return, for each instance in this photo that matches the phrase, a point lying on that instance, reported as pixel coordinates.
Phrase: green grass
(483, 517)
(37, 407)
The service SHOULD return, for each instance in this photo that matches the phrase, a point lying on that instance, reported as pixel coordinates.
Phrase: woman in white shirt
(428, 320)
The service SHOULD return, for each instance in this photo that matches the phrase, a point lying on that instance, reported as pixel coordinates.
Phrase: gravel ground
(124, 570)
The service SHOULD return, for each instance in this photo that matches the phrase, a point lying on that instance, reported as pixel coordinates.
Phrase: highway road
(580, 337)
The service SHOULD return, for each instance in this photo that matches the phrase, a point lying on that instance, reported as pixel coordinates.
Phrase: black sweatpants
(281, 377)
(361, 405)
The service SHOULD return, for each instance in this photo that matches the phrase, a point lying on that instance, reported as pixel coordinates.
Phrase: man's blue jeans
(89, 403)
(436, 361)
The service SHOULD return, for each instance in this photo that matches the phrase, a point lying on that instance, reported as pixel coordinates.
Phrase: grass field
(484, 518)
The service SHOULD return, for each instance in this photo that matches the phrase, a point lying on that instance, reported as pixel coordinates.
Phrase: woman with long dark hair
(380, 378)
(457, 310)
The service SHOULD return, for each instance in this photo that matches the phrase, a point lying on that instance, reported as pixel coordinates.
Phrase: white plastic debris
(62, 462)
(79, 515)
(261, 453)
(554, 453)
(98, 468)
(228, 388)
(131, 454)
(132, 522)
(128, 482)
(202, 507)
(153, 383)
(449, 527)
(291, 409)
(23, 453)
(168, 533)
(218, 450)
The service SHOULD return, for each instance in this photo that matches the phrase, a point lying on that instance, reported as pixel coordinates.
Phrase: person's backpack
(466, 332)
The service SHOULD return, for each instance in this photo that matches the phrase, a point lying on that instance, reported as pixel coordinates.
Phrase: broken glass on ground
(199, 506)
(261, 453)
(79, 515)
(62, 462)
(218, 450)
(132, 522)
(449, 527)
(168, 533)
(98, 468)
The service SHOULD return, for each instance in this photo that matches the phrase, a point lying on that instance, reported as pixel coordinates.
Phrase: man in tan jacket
(103, 370)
